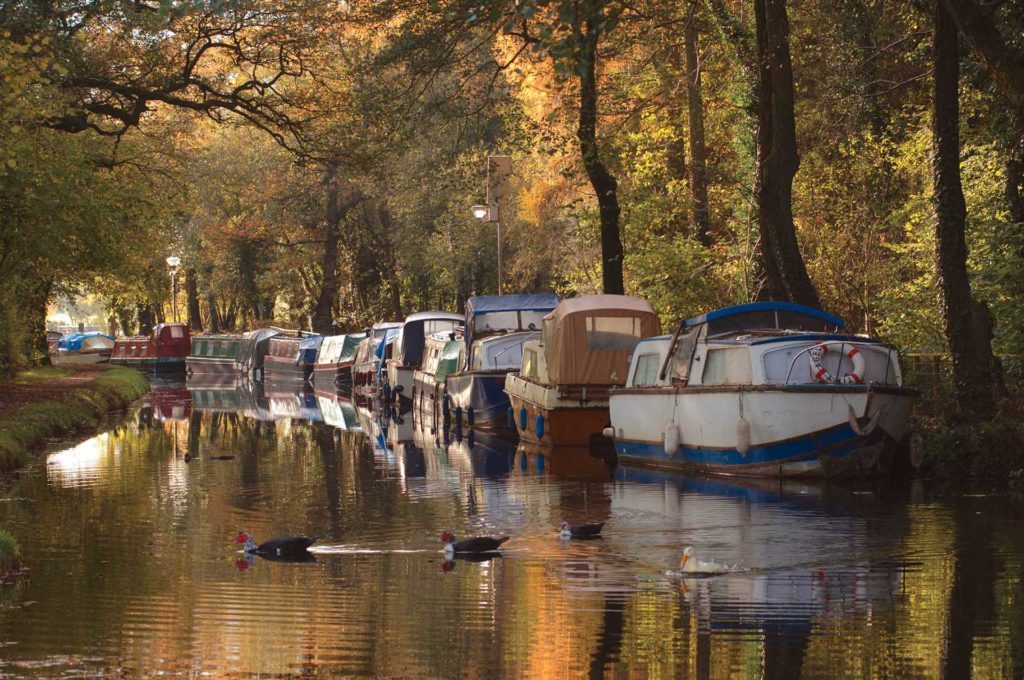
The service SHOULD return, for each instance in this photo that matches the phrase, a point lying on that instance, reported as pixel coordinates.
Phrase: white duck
(689, 564)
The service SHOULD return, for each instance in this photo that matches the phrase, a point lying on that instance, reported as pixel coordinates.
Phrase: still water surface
(128, 537)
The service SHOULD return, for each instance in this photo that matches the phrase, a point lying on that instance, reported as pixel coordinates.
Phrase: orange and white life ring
(822, 374)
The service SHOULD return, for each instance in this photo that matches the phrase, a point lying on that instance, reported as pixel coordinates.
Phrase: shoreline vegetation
(10, 555)
(82, 401)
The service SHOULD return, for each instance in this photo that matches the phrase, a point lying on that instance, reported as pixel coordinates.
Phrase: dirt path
(14, 395)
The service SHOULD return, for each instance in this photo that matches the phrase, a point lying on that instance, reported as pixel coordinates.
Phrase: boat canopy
(766, 316)
(506, 313)
(382, 346)
(588, 340)
(253, 347)
(307, 349)
(77, 342)
(412, 337)
(449, 361)
(337, 349)
(500, 352)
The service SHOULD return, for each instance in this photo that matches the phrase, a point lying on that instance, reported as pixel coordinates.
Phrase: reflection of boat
(337, 410)
(407, 355)
(489, 456)
(297, 403)
(213, 355)
(163, 350)
(334, 359)
(560, 397)
(170, 403)
(496, 328)
(223, 394)
(82, 348)
(769, 389)
(567, 462)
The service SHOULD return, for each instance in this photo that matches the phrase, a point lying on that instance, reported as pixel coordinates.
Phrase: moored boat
(764, 389)
(290, 359)
(440, 358)
(334, 359)
(560, 396)
(213, 355)
(367, 361)
(164, 350)
(407, 353)
(496, 328)
(83, 348)
(252, 351)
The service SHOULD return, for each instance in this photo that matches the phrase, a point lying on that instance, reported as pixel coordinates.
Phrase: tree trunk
(973, 394)
(144, 314)
(195, 317)
(322, 316)
(211, 305)
(588, 35)
(698, 154)
(777, 159)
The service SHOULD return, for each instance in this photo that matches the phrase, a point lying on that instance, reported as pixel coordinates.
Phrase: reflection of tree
(971, 600)
(329, 458)
(609, 636)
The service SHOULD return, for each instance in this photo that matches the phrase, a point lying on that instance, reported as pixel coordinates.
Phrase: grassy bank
(78, 409)
(958, 451)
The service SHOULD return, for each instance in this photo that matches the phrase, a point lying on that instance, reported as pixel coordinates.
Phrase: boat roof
(592, 303)
(382, 325)
(765, 307)
(492, 304)
(424, 316)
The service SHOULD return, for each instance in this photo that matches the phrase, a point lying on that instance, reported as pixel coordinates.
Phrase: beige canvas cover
(588, 340)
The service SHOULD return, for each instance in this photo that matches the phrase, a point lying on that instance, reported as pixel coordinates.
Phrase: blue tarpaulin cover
(484, 305)
(73, 341)
(307, 350)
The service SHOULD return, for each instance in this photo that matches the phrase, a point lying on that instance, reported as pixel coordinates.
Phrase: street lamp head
(480, 211)
(173, 261)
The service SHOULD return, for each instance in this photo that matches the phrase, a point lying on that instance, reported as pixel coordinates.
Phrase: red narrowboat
(163, 350)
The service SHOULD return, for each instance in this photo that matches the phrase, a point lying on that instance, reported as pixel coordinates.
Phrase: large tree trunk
(323, 309)
(698, 154)
(777, 159)
(588, 35)
(195, 317)
(970, 370)
(675, 150)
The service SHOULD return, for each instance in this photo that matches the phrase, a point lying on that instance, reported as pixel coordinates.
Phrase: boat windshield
(768, 320)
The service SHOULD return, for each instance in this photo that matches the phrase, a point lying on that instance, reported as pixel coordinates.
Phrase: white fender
(671, 439)
(742, 436)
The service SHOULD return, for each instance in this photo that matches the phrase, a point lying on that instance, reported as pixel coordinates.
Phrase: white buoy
(742, 436)
(671, 439)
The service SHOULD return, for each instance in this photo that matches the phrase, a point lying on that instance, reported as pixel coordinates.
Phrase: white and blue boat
(407, 352)
(83, 348)
(495, 330)
(763, 389)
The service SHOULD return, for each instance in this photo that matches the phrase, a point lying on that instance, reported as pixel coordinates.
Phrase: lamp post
(172, 264)
(489, 213)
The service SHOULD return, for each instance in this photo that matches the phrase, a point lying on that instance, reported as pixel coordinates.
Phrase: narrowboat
(560, 396)
(213, 355)
(83, 348)
(252, 351)
(407, 353)
(496, 328)
(164, 350)
(367, 362)
(440, 358)
(763, 389)
(334, 359)
(290, 359)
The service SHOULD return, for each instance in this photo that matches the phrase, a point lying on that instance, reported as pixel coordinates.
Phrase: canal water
(132, 568)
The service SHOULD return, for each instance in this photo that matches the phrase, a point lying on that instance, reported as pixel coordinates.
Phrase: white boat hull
(807, 431)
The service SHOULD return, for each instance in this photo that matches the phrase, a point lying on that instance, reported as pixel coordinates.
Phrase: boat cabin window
(612, 332)
(768, 319)
(529, 369)
(727, 367)
(177, 331)
(646, 372)
(683, 355)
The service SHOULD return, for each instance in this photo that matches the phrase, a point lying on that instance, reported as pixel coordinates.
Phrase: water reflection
(133, 568)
